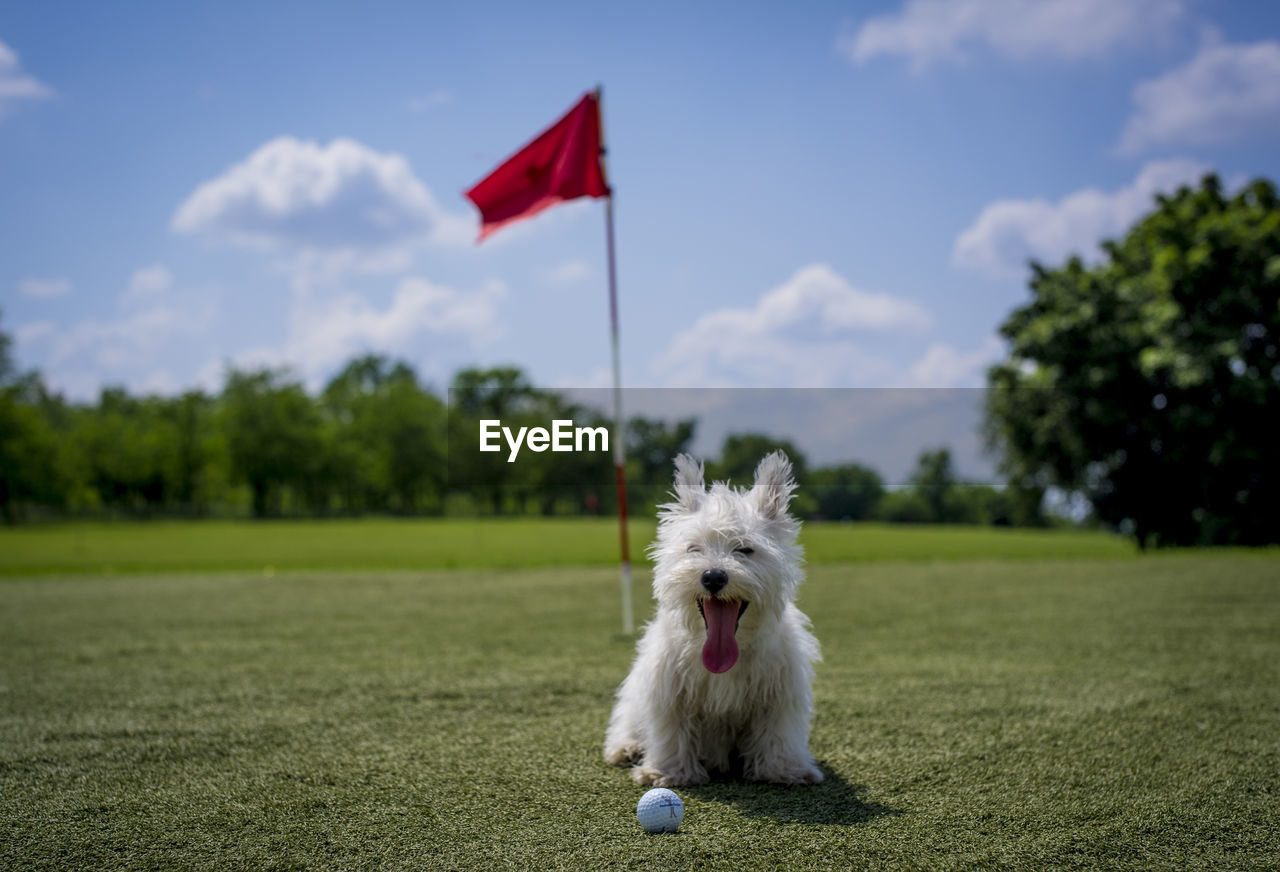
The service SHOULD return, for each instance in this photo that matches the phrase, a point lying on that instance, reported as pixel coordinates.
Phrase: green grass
(211, 546)
(1116, 714)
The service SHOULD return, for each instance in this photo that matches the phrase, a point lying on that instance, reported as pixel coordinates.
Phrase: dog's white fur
(674, 719)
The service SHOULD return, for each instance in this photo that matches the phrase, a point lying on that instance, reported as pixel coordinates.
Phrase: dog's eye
(745, 550)
(694, 549)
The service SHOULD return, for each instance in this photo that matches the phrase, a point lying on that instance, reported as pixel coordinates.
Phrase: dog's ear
(690, 487)
(774, 485)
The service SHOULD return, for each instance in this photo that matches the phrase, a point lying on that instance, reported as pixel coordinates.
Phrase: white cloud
(152, 327)
(147, 283)
(301, 196)
(1225, 92)
(1008, 233)
(15, 85)
(44, 289)
(934, 31)
(112, 344)
(82, 357)
(943, 366)
(324, 333)
(801, 333)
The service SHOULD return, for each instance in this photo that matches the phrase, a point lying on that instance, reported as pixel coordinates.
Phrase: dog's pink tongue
(721, 649)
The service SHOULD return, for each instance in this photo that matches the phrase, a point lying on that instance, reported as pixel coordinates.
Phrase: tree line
(375, 440)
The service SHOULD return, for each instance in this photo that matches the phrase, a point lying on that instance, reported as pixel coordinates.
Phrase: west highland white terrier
(722, 674)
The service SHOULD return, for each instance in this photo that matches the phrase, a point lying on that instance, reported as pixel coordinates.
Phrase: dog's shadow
(833, 802)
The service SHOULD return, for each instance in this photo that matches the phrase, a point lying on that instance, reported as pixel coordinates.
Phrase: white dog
(723, 672)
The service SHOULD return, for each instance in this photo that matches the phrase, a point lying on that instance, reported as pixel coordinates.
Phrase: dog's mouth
(721, 616)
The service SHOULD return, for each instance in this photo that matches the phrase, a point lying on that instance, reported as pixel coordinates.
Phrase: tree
(652, 447)
(904, 505)
(742, 453)
(388, 439)
(490, 393)
(359, 471)
(32, 467)
(1148, 382)
(127, 448)
(191, 478)
(273, 436)
(499, 393)
(935, 481)
(848, 492)
(35, 462)
(412, 423)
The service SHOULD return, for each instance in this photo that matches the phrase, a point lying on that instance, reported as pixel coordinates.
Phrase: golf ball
(660, 811)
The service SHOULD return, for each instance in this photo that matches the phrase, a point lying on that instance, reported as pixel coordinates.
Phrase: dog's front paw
(647, 775)
(623, 755)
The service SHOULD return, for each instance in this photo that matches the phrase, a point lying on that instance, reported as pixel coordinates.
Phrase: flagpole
(619, 434)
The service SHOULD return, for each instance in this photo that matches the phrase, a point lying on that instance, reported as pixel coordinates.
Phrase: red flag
(562, 163)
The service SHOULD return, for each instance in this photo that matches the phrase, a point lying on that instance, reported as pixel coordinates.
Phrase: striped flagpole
(619, 443)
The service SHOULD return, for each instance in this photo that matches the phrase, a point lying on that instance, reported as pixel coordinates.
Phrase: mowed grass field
(186, 546)
(1001, 711)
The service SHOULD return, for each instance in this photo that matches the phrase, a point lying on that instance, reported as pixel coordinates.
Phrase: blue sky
(808, 195)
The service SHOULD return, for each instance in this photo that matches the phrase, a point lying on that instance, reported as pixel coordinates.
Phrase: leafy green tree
(388, 438)
(17, 432)
(357, 467)
(33, 467)
(499, 393)
(38, 463)
(496, 392)
(146, 455)
(412, 423)
(561, 481)
(904, 505)
(1024, 503)
(122, 445)
(936, 495)
(1149, 382)
(741, 454)
(652, 446)
(848, 492)
(273, 436)
(979, 504)
(934, 479)
(194, 475)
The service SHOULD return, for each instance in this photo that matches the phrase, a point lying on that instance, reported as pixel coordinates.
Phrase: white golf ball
(660, 811)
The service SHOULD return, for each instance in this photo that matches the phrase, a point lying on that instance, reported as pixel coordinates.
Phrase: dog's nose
(714, 580)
